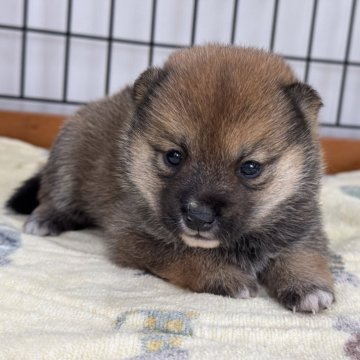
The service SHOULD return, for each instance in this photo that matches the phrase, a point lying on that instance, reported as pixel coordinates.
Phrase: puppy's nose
(199, 217)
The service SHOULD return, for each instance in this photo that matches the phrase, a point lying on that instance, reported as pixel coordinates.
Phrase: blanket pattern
(10, 240)
(61, 298)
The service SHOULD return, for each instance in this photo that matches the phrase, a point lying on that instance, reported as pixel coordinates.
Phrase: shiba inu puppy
(205, 172)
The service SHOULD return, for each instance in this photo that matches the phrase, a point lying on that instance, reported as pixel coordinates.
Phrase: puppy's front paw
(247, 291)
(43, 223)
(316, 301)
(234, 283)
(300, 280)
(307, 301)
(34, 226)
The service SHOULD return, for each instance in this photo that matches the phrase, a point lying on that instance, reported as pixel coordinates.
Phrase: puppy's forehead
(229, 94)
(227, 73)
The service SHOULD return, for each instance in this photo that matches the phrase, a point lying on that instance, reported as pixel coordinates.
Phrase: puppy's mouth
(201, 239)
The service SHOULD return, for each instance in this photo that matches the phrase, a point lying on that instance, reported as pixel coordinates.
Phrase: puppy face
(222, 139)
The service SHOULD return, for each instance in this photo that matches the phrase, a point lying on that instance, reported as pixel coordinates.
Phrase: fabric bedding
(61, 298)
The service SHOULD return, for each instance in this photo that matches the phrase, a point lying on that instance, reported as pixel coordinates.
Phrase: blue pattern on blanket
(340, 274)
(352, 327)
(162, 333)
(164, 355)
(10, 240)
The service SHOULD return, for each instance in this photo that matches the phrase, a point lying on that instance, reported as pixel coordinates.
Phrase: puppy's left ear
(306, 99)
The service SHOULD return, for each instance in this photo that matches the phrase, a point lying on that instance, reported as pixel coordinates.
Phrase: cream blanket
(61, 298)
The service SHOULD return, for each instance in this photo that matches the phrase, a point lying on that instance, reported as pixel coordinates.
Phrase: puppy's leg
(46, 220)
(199, 271)
(204, 274)
(301, 280)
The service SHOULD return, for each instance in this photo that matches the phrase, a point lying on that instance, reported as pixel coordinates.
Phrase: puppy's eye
(173, 158)
(250, 169)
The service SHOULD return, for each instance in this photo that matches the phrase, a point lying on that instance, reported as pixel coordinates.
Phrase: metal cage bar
(311, 40)
(109, 46)
(67, 50)
(346, 61)
(23, 48)
(152, 33)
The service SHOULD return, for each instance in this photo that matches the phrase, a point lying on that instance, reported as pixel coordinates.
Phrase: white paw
(34, 227)
(246, 293)
(315, 301)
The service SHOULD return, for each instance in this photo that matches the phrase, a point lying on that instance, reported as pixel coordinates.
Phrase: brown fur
(220, 106)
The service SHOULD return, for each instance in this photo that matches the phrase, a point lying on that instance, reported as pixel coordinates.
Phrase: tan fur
(304, 264)
(284, 184)
(140, 171)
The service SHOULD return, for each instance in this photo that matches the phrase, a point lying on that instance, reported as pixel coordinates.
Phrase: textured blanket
(61, 298)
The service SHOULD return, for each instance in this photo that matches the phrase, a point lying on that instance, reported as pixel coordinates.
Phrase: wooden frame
(41, 129)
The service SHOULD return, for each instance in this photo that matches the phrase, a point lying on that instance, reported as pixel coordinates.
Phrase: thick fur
(219, 106)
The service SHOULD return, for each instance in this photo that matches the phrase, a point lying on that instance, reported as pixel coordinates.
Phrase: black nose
(199, 217)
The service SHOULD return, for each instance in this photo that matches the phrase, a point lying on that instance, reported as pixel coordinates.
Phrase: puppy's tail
(24, 200)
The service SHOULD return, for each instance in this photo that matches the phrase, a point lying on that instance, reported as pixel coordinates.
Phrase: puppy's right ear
(306, 99)
(146, 83)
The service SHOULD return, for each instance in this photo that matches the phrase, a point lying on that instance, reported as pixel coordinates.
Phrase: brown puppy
(206, 173)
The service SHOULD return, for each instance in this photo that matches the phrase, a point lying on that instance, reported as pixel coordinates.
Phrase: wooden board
(41, 129)
(341, 154)
(37, 129)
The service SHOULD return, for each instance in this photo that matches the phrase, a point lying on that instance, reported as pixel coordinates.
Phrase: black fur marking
(24, 200)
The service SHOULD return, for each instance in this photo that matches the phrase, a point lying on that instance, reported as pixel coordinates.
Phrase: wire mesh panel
(68, 52)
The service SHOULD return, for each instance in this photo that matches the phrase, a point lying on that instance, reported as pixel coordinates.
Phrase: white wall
(87, 67)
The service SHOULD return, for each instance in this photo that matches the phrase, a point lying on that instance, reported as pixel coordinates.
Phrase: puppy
(205, 172)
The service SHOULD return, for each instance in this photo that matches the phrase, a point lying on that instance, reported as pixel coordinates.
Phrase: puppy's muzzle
(199, 217)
